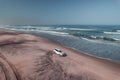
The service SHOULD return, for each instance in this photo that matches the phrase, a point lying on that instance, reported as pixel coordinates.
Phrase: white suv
(59, 52)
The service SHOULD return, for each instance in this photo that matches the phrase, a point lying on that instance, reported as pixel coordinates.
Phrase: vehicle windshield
(58, 50)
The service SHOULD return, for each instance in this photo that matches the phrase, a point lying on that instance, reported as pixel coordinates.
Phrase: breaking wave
(96, 37)
(80, 29)
(65, 31)
(42, 29)
(118, 32)
(103, 38)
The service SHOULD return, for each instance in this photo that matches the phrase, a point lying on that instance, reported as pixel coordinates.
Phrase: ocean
(98, 40)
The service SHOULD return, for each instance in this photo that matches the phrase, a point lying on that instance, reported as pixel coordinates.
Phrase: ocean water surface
(98, 40)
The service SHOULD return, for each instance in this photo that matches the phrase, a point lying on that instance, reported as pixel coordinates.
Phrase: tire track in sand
(9, 69)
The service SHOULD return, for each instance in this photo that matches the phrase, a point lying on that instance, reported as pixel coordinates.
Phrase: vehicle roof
(57, 49)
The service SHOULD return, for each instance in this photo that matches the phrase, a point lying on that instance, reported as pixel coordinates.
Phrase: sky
(37, 12)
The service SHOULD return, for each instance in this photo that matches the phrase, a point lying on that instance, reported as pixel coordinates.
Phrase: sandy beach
(29, 57)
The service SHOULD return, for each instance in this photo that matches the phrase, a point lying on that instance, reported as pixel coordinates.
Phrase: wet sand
(29, 57)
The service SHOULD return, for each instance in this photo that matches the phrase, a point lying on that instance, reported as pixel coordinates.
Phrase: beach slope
(29, 57)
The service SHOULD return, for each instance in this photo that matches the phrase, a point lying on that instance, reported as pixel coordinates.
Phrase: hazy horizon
(56, 12)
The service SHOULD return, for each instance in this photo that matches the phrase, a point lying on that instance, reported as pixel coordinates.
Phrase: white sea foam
(64, 28)
(41, 30)
(118, 30)
(94, 41)
(36, 28)
(116, 39)
(59, 28)
(54, 32)
(81, 29)
(111, 32)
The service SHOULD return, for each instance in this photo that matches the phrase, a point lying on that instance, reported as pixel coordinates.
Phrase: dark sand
(28, 57)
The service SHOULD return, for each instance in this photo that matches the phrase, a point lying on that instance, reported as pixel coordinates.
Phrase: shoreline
(25, 51)
(79, 51)
(108, 59)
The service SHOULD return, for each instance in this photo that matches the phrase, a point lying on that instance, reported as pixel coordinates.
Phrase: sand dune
(28, 57)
